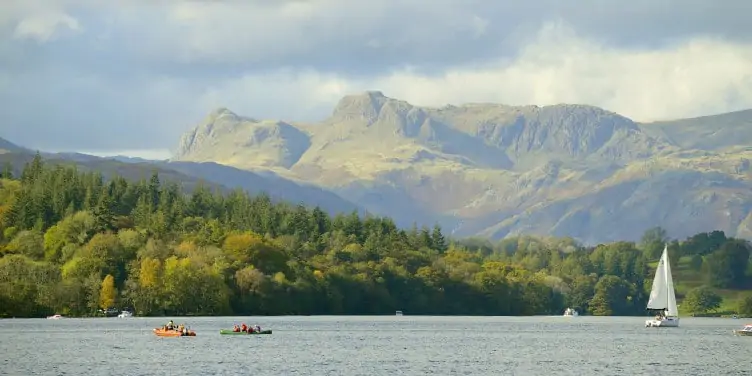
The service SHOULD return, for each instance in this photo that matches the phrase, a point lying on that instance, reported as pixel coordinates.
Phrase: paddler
(244, 328)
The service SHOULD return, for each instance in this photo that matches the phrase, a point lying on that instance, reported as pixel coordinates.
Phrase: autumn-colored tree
(108, 292)
(71, 239)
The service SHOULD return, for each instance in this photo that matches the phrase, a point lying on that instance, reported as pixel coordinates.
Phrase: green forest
(73, 243)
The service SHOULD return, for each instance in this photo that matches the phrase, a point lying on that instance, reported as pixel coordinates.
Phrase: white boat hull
(571, 312)
(665, 323)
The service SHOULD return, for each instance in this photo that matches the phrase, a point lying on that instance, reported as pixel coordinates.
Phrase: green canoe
(229, 332)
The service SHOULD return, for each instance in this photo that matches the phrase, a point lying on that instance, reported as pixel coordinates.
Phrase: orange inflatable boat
(173, 333)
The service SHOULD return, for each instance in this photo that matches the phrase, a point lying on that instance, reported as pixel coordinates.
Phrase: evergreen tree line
(72, 243)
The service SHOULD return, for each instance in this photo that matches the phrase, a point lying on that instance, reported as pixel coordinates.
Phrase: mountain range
(494, 170)
(478, 169)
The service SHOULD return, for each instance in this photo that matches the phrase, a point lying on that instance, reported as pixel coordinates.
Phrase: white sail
(672, 309)
(658, 293)
(662, 296)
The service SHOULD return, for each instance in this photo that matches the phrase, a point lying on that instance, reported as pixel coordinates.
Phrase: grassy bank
(685, 279)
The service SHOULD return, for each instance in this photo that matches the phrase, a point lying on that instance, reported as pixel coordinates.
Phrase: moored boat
(162, 332)
(571, 312)
(231, 332)
(55, 317)
(125, 314)
(746, 331)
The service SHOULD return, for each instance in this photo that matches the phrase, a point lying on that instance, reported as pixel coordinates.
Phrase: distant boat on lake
(746, 331)
(571, 312)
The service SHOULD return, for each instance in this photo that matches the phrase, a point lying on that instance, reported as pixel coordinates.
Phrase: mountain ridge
(495, 170)
(10, 147)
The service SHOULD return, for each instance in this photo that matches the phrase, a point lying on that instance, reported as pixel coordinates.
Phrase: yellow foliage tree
(280, 278)
(186, 249)
(108, 292)
(149, 273)
(240, 246)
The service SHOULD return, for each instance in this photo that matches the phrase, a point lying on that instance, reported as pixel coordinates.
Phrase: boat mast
(665, 276)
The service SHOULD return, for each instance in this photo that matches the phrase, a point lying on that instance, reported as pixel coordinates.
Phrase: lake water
(380, 345)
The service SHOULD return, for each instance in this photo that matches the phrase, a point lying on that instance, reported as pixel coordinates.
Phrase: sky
(130, 76)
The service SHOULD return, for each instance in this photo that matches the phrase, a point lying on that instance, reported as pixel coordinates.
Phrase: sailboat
(663, 296)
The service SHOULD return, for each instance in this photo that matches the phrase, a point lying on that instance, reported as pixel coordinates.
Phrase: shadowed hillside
(189, 175)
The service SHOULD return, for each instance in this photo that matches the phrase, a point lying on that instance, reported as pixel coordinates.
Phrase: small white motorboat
(125, 314)
(398, 313)
(55, 317)
(746, 331)
(571, 312)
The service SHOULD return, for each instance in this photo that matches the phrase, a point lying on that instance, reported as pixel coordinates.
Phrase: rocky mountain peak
(221, 112)
(363, 106)
(217, 121)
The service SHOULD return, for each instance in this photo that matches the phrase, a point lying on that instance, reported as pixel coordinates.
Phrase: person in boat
(170, 325)
(243, 328)
(236, 328)
(180, 328)
(250, 329)
(661, 315)
(257, 328)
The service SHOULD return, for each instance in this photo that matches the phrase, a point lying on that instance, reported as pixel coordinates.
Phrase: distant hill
(716, 133)
(496, 170)
(9, 147)
(189, 175)
(277, 187)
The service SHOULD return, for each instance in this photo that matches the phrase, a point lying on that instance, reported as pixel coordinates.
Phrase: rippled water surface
(407, 345)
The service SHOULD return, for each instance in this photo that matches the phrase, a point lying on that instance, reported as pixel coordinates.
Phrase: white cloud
(37, 20)
(699, 77)
(44, 27)
(285, 94)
